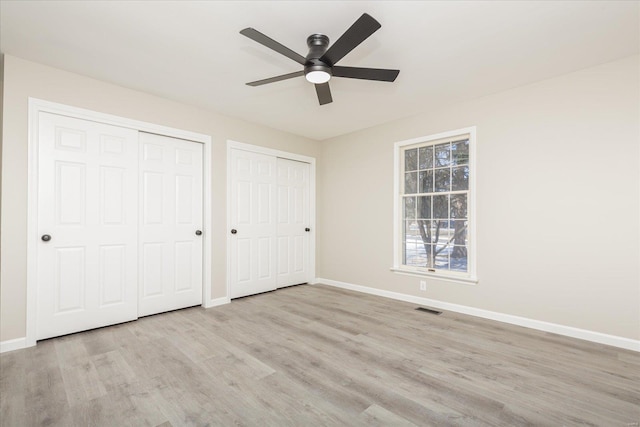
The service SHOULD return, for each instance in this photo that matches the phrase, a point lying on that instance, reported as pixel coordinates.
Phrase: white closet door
(170, 224)
(293, 222)
(253, 223)
(87, 206)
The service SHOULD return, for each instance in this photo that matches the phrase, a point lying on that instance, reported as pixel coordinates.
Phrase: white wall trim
(569, 331)
(312, 199)
(14, 344)
(217, 301)
(38, 105)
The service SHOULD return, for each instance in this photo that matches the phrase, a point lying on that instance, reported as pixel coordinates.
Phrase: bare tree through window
(435, 205)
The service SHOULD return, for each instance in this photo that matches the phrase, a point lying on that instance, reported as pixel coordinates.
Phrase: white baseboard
(216, 302)
(14, 344)
(598, 337)
(555, 328)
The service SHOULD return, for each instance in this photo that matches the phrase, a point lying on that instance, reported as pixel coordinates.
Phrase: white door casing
(253, 223)
(293, 222)
(171, 224)
(87, 204)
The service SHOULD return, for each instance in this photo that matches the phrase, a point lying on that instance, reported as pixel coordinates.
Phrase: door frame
(37, 106)
(234, 145)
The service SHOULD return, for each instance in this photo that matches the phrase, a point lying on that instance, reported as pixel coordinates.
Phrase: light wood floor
(317, 355)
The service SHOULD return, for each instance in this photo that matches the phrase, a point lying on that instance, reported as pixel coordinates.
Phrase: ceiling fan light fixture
(317, 77)
(320, 63)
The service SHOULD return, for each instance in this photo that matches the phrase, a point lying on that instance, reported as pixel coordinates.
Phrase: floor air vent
(429, 310)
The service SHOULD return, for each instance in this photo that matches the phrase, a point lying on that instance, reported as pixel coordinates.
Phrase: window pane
(426, 158)
(459, 254)
(459, 233)
(441, 206)
(424, 207)
(442, 258)
(441, 232)
(459, 206)
(411, 160)
(411, 238)
(443, 154)
(425, 231)
(410, 254)
(411, 182)
(421, 254)
(459, 259)
(460, 152)
(426, 181)
(443, 179)
(428, 258)
(409, 207)
(460, 178)
(423, 246)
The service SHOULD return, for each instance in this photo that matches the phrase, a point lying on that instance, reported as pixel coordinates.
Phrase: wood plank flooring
(313, 356)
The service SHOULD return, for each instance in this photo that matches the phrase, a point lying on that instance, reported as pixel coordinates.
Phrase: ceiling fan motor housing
(318, 44)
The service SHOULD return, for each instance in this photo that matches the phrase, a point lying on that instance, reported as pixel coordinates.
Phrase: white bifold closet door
(253, 222)
(120, 224)
(170, 224)
(87, 220)
(293, 222)
(269, 218)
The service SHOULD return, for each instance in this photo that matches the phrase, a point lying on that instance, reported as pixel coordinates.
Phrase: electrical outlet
(423, 285)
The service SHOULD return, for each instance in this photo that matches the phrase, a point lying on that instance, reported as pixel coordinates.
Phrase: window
(434, 195)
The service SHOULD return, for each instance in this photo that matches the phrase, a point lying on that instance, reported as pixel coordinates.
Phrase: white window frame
(470, 277)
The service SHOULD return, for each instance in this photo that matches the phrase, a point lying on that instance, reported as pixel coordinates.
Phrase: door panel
(171, 202)
(293, 219)
(184, 266)
(152, 262)
(253, 247)
(87, 203)
(112, 191)
(112, 278)
(70, 187)
(70, 279)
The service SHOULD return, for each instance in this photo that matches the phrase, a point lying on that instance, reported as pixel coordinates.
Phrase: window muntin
(434, 205)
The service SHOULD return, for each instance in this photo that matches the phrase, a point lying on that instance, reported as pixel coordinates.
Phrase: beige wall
(558, 201)
(558, 192)
(23, 79)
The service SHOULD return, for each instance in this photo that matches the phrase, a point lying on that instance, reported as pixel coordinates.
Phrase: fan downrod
(318, 44)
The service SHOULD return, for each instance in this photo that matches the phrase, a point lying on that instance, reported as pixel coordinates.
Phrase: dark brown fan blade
(257, 36)
(324, 93)
(277, 78)
(356, 34)
(365, 73)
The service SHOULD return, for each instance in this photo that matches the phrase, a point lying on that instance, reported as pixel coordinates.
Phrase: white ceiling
(191, 51)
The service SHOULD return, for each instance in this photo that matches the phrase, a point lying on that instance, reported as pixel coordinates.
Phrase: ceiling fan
(320, 62)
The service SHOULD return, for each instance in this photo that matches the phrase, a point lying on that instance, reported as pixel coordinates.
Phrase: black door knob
(234, 231)
(45, 237)
(307, 229)
(198, 233)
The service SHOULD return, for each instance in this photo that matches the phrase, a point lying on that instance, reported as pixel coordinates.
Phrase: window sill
(444, 277)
